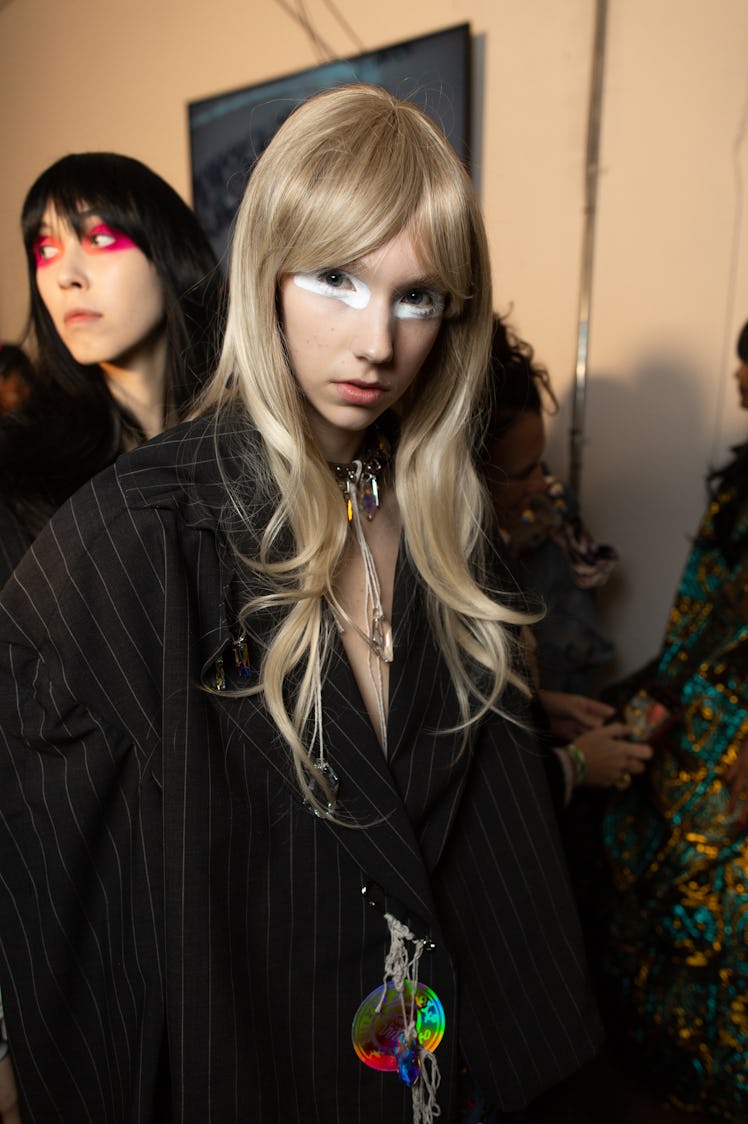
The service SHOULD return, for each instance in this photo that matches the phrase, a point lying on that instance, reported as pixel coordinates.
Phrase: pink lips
(359, 394)
(80, 316)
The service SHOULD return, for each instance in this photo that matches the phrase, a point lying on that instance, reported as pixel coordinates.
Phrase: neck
(345, 451)
(139, 388)
(374, 442)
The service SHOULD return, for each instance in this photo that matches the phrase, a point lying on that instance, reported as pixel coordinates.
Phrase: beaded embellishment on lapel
(240, 654)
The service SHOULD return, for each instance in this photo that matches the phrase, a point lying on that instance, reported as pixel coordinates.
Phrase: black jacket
(177, 928)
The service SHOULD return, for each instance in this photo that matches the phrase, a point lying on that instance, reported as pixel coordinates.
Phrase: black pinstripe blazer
(181, 939)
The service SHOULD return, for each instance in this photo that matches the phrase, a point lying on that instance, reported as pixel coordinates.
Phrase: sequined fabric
(676, 972)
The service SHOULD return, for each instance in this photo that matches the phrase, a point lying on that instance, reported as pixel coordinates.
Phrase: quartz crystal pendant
(381, 637)
(368, 491)
(328, 798)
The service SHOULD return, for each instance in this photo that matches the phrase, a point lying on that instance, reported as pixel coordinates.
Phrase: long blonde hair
(345, 173)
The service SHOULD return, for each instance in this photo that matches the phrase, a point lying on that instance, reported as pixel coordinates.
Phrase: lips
(361, 394)
(78, 316)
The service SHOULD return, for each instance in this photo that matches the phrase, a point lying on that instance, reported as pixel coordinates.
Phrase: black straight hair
(127, 195)
(72, 427)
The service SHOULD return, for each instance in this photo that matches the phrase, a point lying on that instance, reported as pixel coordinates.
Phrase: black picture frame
(229, 131)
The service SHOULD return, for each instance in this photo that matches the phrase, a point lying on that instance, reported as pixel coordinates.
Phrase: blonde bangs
(350, 174)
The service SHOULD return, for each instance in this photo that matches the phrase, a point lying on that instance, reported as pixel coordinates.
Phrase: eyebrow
(76, 222)
(524, 473)
(423, 281)
(427, 282)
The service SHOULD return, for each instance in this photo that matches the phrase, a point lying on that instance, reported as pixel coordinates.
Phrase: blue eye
(335, 279)
(336, 284)
(426, 304)
(420, 297)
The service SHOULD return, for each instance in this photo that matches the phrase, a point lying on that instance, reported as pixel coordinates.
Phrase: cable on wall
(360, 46)
(324, 51)
(592, 167)
(731, 317)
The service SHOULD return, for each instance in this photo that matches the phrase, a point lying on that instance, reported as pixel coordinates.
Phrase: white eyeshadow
(358, 297)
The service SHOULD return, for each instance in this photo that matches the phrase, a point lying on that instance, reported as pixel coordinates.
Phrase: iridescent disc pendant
(381, 1037)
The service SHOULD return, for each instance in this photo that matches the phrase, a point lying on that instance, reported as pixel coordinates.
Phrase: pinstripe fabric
(170, 908)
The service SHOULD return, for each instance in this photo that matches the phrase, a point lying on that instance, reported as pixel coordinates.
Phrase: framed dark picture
(229, 131)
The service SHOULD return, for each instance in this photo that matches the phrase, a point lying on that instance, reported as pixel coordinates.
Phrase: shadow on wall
(643, 469)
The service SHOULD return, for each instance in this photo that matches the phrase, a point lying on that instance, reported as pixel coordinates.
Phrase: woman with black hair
(126, 314)
(125, 310)
(675, 842)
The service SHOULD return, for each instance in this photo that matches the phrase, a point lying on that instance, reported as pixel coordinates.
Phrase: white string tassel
(400, 969)
(325, 806)
(317, 728)
(423, 1093)
(397, 967)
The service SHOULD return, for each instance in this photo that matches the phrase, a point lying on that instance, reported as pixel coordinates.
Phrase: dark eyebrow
(430, 282)
(424, 281)
(81, 219)
(523, 474)
(49, 230)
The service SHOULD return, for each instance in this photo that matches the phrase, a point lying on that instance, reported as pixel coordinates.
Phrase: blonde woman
(281, 848)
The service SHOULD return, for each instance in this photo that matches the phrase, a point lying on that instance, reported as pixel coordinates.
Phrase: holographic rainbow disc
(376, 1034)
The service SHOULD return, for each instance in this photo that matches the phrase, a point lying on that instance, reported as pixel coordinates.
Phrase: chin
(87, 358)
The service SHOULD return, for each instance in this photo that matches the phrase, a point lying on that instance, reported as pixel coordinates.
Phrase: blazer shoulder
(120, 536)
(189, 466)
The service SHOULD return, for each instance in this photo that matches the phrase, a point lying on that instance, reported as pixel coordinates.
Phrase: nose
(535, 482)
(71, 268)
(374, 340)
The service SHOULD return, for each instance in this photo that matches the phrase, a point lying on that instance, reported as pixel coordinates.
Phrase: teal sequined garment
(676, 971)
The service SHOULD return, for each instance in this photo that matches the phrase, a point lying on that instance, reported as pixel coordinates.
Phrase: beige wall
(671, 266)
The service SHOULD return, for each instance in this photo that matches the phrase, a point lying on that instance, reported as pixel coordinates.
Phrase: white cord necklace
(360, 485)
(379, 639)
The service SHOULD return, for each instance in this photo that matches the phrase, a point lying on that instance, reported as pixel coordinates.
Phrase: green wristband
(579, 762)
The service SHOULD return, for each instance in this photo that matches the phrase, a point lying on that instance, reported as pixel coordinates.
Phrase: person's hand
(737, 781)
(9, 1111)
(611, 758)
(571, 715)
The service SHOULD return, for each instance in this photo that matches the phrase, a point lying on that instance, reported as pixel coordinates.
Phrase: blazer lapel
(381, 839)
(400, 810)
(429, 766)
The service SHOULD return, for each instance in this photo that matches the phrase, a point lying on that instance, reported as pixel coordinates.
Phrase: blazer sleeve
(80, 846)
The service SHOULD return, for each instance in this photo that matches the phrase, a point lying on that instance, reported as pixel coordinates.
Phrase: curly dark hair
(517, 384)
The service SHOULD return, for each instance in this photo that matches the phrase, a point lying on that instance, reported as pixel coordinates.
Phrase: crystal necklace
(359, 479)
